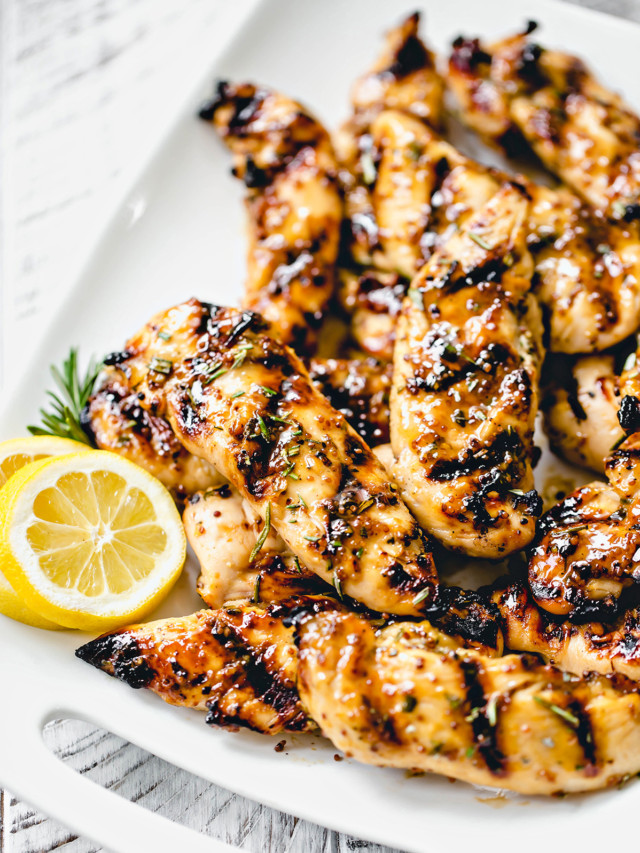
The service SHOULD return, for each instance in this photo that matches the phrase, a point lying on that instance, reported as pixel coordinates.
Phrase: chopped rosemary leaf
(365, 505)
(216, 373)
(243, 349)
(278, 420)
(164, 336)
(237, 394)
(302, 500)
(575, 528)
(565, 715)
(263, 428)
(416, 297)
(268, 391)
(491, 712)
(256, 590)
(297, 565)
(75, 389)
(422, 595)
(312, 538)
(359, 552)
(161, 365)
(479, 241)
(263, 535)
(337, 584)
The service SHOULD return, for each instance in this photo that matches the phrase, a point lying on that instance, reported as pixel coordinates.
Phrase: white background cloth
(85, 87)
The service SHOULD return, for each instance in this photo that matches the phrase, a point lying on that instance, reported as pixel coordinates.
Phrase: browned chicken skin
(466, 373)
(286, 160)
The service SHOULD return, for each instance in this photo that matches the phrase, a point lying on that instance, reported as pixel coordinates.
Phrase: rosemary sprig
(263, 536)
(64, 419)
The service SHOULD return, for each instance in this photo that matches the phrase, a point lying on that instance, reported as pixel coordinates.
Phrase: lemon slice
(17, 452)
(89, 540)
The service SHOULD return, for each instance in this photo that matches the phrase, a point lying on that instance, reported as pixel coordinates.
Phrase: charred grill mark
(468, 614)
(266, 683)
(485, 730)
(125, 656)
(504, 452)
(411, 56)
(629, 414)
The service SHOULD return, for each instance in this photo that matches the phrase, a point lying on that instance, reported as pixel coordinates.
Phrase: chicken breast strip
(464, 396)
(405, 696)
(582, 131)
(588, 553)
(595, 646)
(581, 407)
(246, 404)
(294, 209)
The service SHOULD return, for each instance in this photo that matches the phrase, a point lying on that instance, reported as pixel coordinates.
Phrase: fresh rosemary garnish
(164, 336)
(263, 428)
(416, 297)
(237, 394)
(422, 596)
(297, 565)
(365, 505)
(565, 715)
(256, 590)
(263, 536)
(161, 365)
(75, 389)
(479, 241)
(337, 584)
(268, 391)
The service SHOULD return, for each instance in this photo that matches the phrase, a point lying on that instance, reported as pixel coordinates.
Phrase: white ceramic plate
(179, 233)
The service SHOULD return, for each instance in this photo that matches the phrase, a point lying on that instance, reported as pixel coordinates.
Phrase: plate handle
(40, 778)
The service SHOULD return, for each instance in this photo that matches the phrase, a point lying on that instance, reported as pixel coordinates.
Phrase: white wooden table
(84, 86)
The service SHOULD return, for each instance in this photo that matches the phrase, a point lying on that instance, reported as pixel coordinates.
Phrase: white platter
(179, 233)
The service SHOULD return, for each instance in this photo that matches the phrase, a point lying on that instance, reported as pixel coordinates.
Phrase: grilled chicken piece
(117, 421)
(244, 402)
(580, 130)
(404, 77)
(286, 160)
(464, 396)
(404, 80)
(223, 531)
(404, 696)
(372, 298)
(238, 665)
(589, 550)
(587, 272)
(581, 410)
(592, 647)
(359, 389)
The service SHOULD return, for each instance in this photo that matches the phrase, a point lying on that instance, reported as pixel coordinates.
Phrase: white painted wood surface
(83, 90)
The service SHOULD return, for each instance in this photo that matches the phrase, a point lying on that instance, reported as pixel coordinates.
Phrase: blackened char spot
(468, 55)
(468, 614)
(629, 414)
(484, 733)
(505, 444)
(123, 653)
(114, 358)
(411, 56)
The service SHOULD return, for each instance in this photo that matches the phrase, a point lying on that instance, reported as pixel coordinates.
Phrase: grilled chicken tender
(238, 665)
(581, 410)
(247, 405)
(294, 209)
(116, 421)
(405, 696)
(373, 299)
(587, 272)
(588, 553)
(595, 646)
(464, 396)
(223, 531)
(580, 130)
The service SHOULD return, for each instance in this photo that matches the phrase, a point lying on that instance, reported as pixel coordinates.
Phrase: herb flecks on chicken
(465, 388)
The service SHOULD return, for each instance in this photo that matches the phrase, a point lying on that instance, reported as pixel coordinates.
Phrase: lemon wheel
(18, 452)
(89, 540)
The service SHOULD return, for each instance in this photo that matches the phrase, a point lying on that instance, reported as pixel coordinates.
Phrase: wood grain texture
(82, 86)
